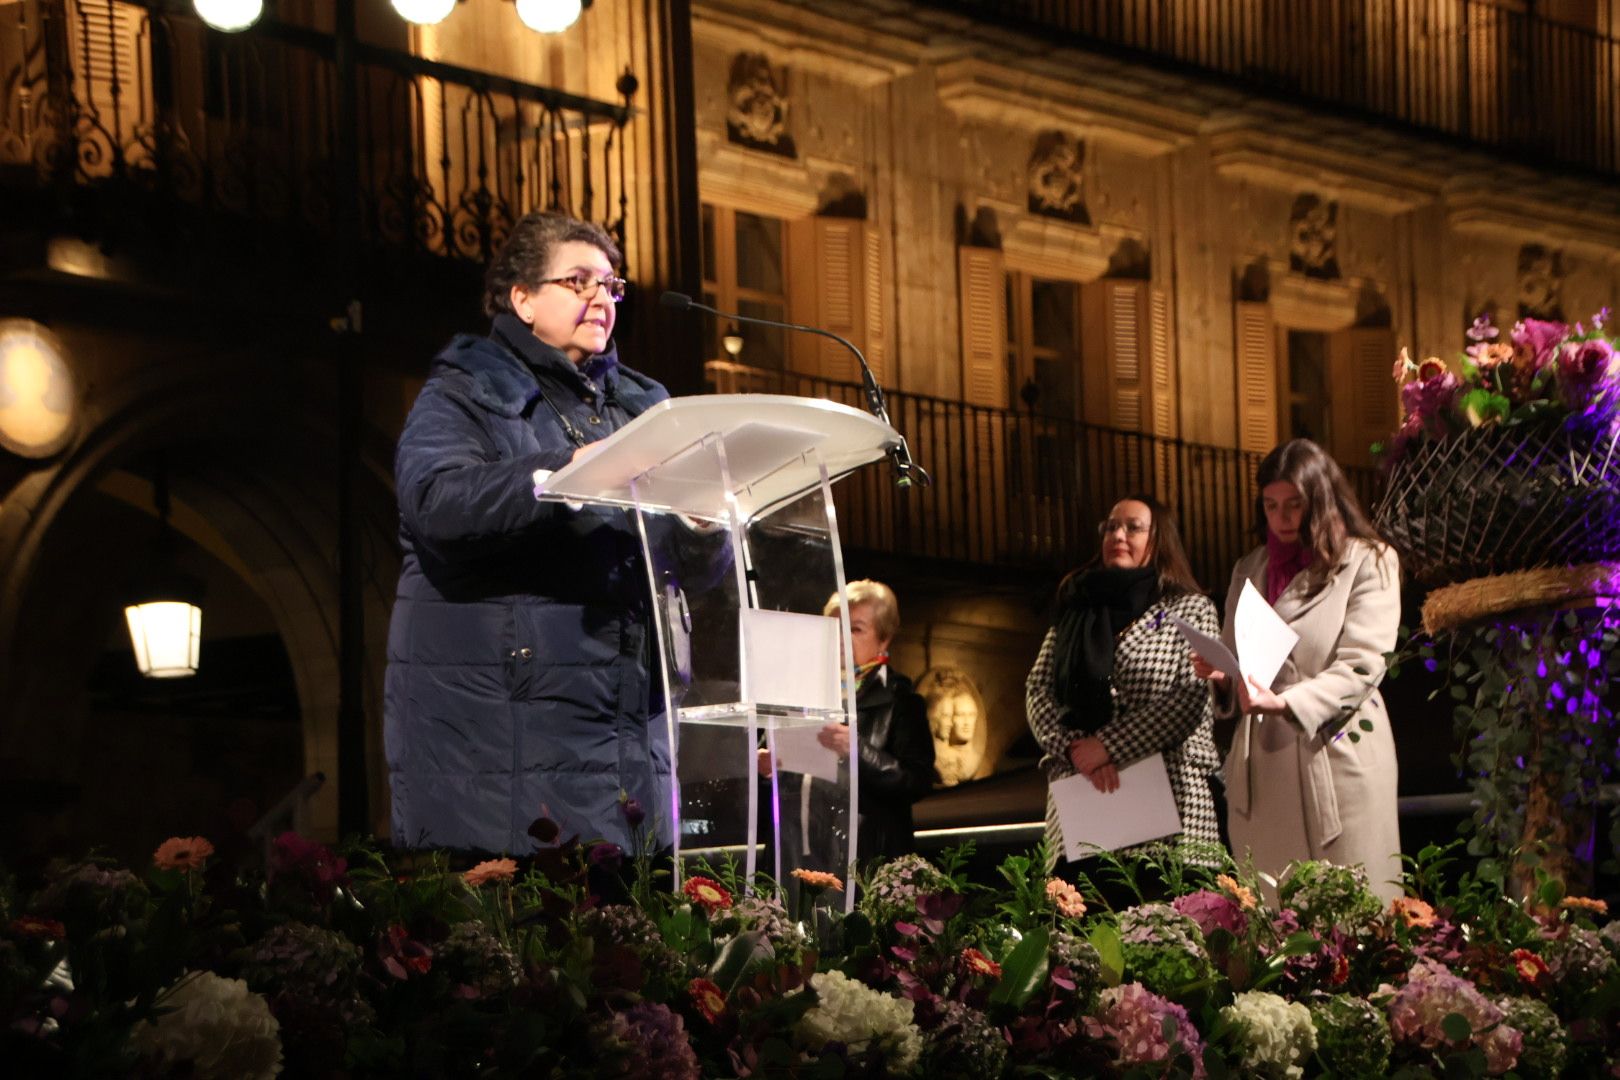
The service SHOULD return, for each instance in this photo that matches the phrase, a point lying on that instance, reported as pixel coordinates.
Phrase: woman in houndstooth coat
(1114, 682)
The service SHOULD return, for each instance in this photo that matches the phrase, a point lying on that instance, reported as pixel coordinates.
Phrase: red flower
(709, 998)
(980, 964)
(401, 956)
(707, 894)
(34, 926)
(1341, 971)
(1530, 967)
(182, 853)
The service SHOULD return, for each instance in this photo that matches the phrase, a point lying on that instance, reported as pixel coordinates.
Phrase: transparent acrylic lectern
(732, 496)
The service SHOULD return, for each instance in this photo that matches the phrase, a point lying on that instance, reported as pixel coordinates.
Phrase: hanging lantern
(166, 636)
(163, 613)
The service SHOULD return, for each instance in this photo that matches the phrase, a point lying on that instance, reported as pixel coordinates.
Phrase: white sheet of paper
(1142, 808)
(790, 658)
(1212, 649)
(798, 751)
(1263, 639)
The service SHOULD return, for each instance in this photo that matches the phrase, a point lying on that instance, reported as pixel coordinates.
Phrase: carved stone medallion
(1541, 283)
(1057, 186)
(1313, 248)
(757, 106)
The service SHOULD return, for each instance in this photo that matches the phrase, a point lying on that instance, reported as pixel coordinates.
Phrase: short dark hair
(527, 251)
(1333, 514)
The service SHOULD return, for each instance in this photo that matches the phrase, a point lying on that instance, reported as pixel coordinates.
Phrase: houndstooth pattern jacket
(1160, 706)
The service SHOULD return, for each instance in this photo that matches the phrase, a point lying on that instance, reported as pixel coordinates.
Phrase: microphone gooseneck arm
(907, 471)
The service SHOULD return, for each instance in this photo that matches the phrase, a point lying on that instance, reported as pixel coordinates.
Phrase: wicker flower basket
(1498, 499)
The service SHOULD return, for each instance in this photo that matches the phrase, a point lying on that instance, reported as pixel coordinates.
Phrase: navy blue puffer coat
(518, 679)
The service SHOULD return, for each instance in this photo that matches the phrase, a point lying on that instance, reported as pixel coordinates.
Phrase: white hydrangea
(852, 1013)
(217, 1025)
(1276, 1034)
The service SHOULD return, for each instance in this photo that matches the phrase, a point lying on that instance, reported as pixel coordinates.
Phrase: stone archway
(253, 481)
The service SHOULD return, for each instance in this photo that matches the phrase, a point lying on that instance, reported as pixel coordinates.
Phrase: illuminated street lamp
(229, 15)
(424, 12)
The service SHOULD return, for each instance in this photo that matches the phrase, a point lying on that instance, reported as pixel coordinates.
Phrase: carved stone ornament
(757, 106)
(1314, 237)
(1541, 283)
(1056, 178)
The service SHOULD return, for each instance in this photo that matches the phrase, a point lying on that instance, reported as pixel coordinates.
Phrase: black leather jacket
(897, 764)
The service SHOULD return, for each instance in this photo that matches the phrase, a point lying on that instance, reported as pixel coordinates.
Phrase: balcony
(1483, 71)
(1020, 490)
(106, 106)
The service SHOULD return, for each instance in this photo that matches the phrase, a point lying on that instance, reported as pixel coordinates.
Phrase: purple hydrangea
(1419, 1009)
(1132, 1017)
(646, 1040)
(1213, 911)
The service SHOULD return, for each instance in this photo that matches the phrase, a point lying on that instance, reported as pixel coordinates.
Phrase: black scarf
(1093, 610)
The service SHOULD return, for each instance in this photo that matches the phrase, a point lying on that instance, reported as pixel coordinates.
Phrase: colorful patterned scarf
(862, 671)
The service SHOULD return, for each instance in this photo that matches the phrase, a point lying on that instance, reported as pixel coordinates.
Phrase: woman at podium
(518, 679)
(1113, 684)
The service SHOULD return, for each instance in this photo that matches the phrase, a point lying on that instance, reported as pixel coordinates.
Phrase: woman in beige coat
(1298, 787)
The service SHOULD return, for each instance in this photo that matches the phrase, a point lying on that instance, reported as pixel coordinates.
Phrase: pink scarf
(1283, 563)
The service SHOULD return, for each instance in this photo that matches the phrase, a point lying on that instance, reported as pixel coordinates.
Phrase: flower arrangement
(358, 964)
(1543, 371)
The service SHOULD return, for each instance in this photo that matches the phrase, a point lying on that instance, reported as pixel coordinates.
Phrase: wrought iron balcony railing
(1022, 490)
(1486, 71)
(141, 96)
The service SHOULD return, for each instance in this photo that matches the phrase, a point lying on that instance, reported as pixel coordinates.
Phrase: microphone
(906, 471)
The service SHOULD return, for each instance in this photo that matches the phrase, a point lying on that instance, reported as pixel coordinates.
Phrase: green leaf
(1105, 939)
(857, 930)
(734, 960)
(1456, 1027)
(1024, 970)
(1551, 892)
(1364, 724)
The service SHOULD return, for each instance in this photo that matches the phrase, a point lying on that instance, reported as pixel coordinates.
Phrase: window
(1305, 392)
(744, 271)
(1043, 348)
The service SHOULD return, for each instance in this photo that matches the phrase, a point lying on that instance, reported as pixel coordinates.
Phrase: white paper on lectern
(1263, 639)
(798, 751)
(790, 658)
(1142, 808)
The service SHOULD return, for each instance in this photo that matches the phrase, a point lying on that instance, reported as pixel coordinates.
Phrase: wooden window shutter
(112, 68)
(833, 283)
(1126, 354)
(876, 346)
(1367, 407)
(840, 260)
(1256, 348)
(982, 281)
(1162, 364)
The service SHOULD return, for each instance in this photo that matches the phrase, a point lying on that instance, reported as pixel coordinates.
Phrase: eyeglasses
(585, 286)
(1132, 528)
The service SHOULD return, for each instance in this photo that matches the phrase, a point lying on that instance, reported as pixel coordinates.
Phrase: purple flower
(606, 855)
(1213, 911)
(1534, 341)
(1131, 1017)
(1585, 373)
(1418, 1012)
(1483, 329)
(1427, 398)
(634, 813)
(644, 1040)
